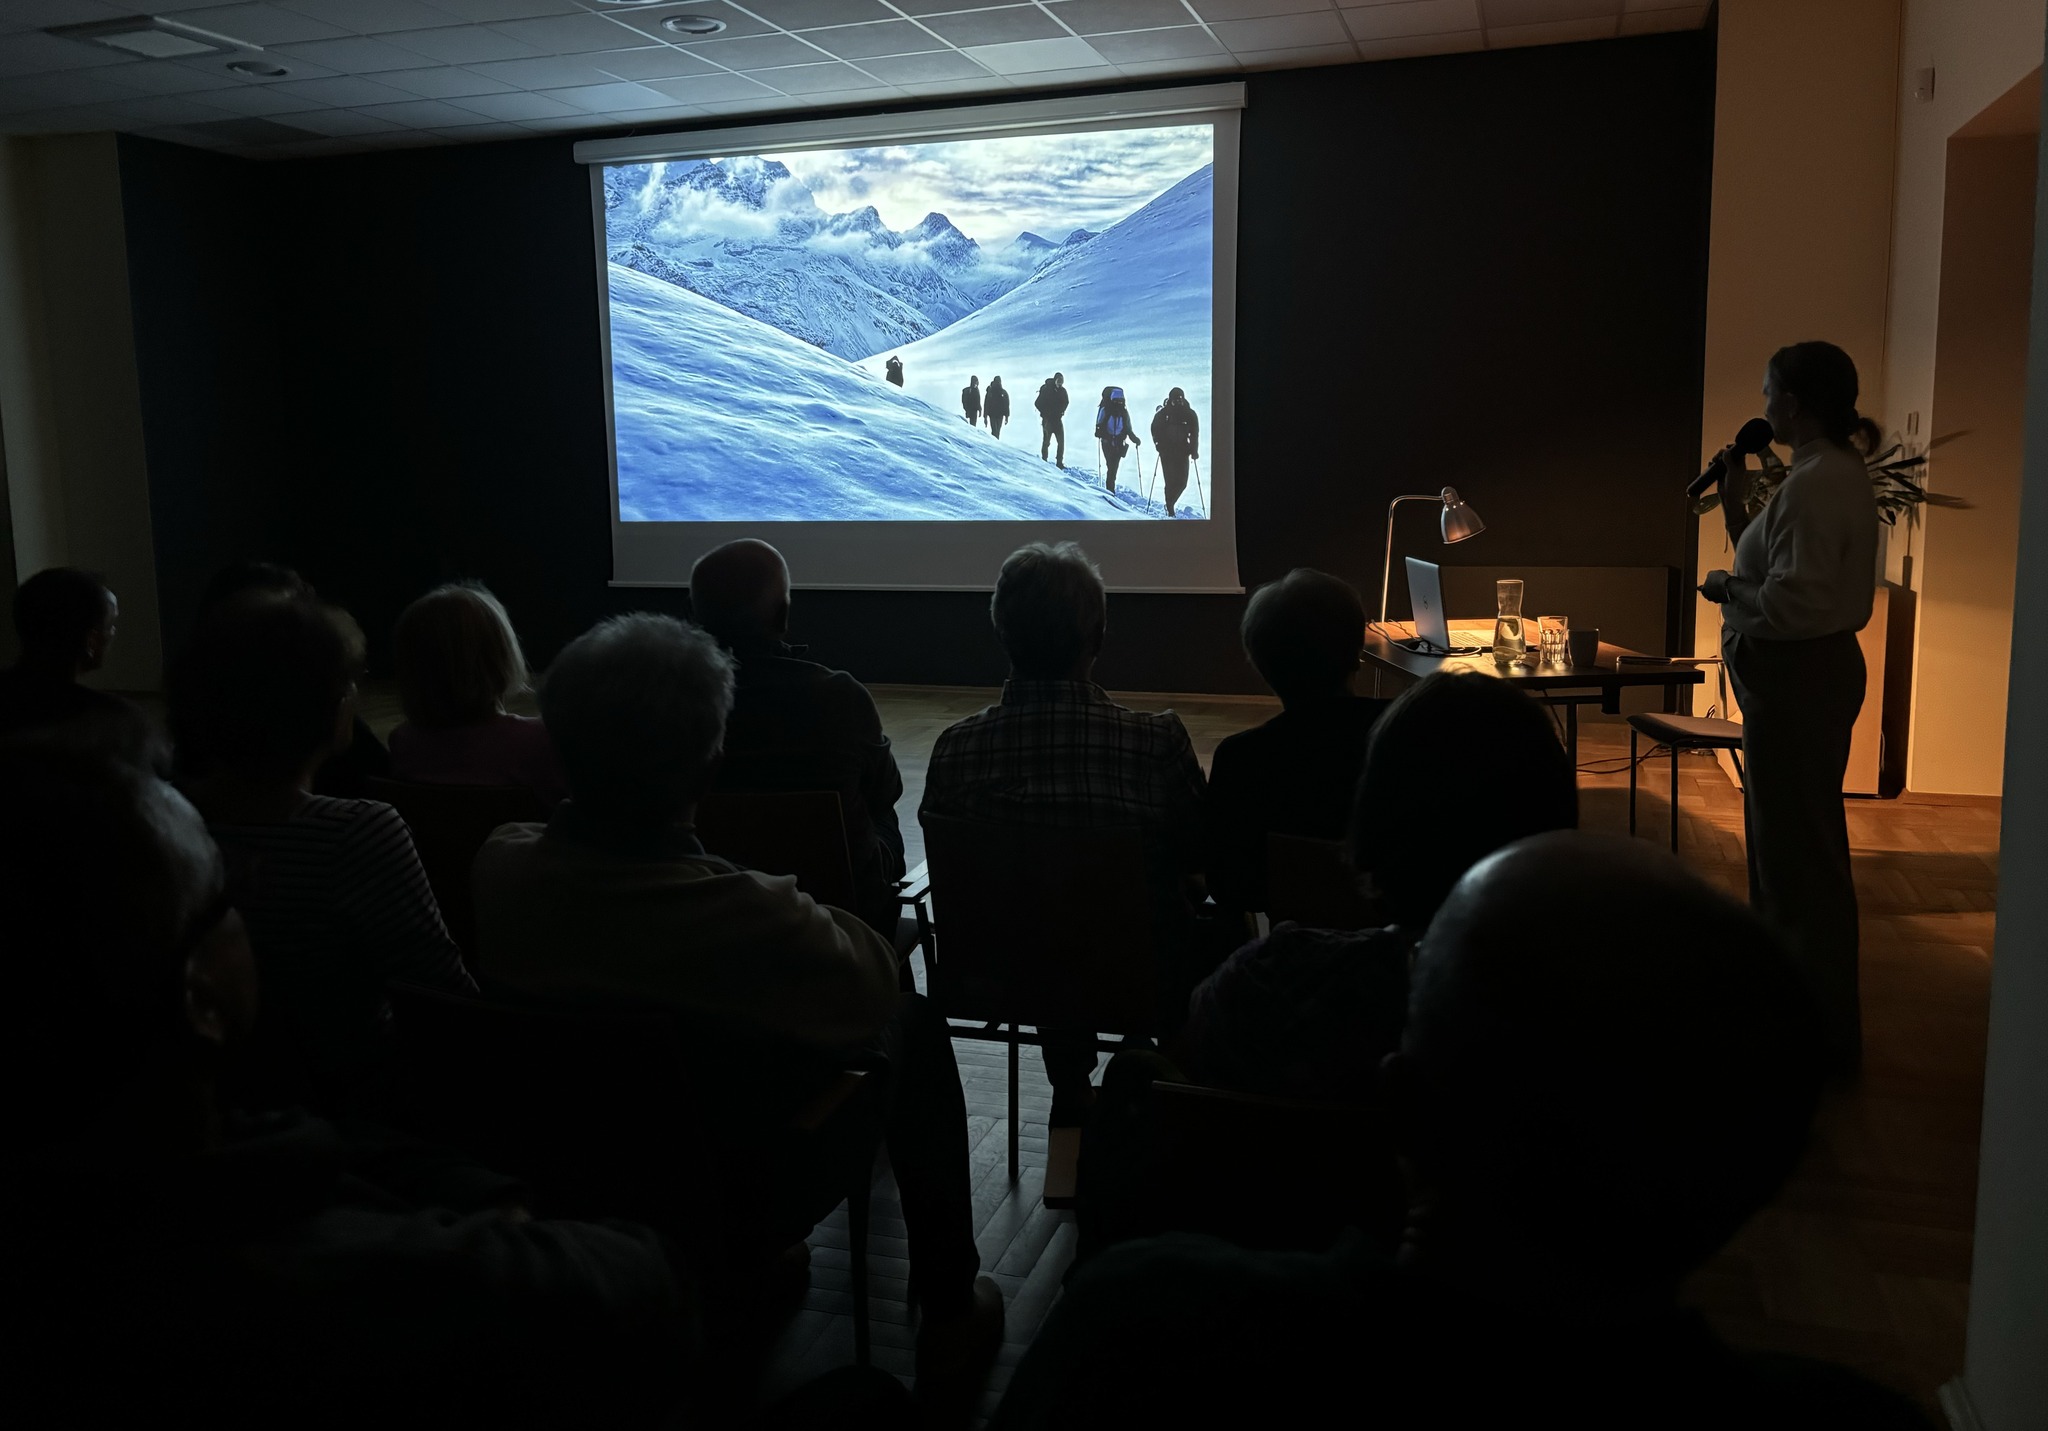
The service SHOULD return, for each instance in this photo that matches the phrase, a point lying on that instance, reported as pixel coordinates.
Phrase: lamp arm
(1387, 566)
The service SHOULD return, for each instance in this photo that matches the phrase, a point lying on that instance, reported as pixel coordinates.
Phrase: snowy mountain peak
(935, 226)
(1078, 236)
(745, 181)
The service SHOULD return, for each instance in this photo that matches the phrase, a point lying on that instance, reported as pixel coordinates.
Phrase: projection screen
(902, 345)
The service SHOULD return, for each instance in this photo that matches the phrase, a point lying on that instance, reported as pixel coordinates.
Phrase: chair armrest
(915, 885)
(849, 1085)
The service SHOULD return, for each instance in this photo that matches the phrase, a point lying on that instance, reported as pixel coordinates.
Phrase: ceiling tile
(1412, 17)
(1101, 17)
(342, 89)
(606, 98)
(717, 87)
(1654, 22)
(423, 114)
(261, 24)
(370, 17)
(353, 55)
(891, 37)
(1537, 12)
(569, 34)
(464, 44)
(809, 14)
(51, 90)
(165, 77)
(1179, 43)
(995, 27)
(1213, 10)
(1282, 32)
(758, 52)
(340, 121)
(1556, 32)
(1301, 58)
(1196, 64)
(260, 99)
(516, 106)
(944, 65)
(816, 79)
(1408, 46)
(482, 10)
(32, 54)
(1030, 56)
(442, 82)
(650, 62)
(738, 23)
(541, 73)
(1053, 79)
(18, 15)
(165, 109)
(935, 7)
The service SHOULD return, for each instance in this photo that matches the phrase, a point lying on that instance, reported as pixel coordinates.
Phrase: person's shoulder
(334, 812)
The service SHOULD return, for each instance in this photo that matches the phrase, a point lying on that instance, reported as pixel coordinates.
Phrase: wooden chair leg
(1632, 758)
(1674, 799)
(1015, 1114)
(857, 1208)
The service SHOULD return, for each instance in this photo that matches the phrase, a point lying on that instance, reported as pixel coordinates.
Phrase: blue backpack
(1112, 420)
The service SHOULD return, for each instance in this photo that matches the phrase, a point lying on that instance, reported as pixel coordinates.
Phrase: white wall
(70, 401)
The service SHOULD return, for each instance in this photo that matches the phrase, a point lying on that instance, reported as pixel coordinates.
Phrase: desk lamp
(1459, 522)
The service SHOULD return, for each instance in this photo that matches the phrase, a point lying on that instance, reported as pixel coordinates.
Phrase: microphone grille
(1754, 437)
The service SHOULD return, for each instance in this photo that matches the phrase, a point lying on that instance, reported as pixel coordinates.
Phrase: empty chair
(1679, 733)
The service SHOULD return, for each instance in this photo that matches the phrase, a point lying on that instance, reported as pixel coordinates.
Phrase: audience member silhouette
(1057, 752)
(1587, 1110)
(336, 902)
(797, 725)
(616, 897)
(458, 662)
(1297, 773)
(64, 619)
(176, 1261)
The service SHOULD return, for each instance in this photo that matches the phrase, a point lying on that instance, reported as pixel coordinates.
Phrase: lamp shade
(1460, 521)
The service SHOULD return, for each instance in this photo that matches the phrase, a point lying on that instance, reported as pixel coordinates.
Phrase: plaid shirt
(1061, 753)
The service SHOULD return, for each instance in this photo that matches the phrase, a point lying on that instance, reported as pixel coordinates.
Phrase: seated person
(65, 619)
(336, 902)
(1309, 1013)
(797, 725)
(1057, 752)
(364, 757)
(615, 898)
(1587, 1112)
(1295, 774)
(188, 1264)
(458, 661)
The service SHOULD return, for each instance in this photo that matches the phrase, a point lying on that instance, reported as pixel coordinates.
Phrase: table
(1600, 684)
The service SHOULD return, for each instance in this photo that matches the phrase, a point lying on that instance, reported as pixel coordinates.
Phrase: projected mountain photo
(791, 335)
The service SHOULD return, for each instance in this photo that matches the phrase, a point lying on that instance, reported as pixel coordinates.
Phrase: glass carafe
(1508, 640)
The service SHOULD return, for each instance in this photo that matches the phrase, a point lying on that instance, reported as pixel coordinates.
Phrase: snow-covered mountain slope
(720, 417)
(1130, 306)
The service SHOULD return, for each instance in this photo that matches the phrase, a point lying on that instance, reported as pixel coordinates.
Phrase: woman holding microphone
(1802, 585)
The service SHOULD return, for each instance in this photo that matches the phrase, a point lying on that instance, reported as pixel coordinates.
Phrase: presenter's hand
(1715, 587)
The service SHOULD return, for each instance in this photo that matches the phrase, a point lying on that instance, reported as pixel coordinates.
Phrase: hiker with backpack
(995, 406)
(1176, 437)
(893, 371)
(1051, 403)
(970, 401)
(1113, 430)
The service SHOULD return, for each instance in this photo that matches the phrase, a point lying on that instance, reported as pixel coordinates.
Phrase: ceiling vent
(150, 37)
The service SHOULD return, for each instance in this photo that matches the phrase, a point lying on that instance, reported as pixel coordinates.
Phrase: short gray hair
(1048, 604)
(636, 706)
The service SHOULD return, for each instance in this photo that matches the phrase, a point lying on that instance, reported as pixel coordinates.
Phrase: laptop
(1426, 591)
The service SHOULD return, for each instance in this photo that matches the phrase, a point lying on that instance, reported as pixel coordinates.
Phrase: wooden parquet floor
(1863, 1260)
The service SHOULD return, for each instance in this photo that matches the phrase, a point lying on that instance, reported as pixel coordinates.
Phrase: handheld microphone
(1754, 437)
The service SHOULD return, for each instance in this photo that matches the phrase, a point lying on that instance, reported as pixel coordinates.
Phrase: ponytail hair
(1823, 378)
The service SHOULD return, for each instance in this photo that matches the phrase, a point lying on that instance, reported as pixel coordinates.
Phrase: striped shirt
(337, 906)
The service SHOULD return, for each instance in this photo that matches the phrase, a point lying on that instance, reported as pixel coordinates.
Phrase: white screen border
(1160, 556)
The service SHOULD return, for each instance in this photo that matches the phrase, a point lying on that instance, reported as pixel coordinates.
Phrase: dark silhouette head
(125, 965)
(239, 578)
(265, 689)
(458, 657)
(1818, 380)
(1606, 1097)
(1429, 805)
(1176, 395)
(996, 381)
(1303, 634)
(974, 380)
(65, 619)
(740, 593)
(1050, 612)
(1060, 378)
(636, 706)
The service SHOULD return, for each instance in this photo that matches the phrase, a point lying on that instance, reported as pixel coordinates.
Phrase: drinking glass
(1554, 632)
(1508, 641)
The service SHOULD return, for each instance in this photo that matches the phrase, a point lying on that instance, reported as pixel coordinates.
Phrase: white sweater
(1807, 566)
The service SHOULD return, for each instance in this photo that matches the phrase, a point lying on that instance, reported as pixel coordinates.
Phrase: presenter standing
(1805, 573)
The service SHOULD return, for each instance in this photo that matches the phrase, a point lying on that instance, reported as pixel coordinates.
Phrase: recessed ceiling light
(258, 69)
(152, 38)
(692, 25)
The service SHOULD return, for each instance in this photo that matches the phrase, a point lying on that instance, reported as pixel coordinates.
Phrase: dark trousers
(1051, 428)
(973, 416)
(1799, 702)
(1112, 457)
(1173, 470)
(995, 425)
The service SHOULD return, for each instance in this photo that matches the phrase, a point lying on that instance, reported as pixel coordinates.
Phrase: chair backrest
(449, 824)
(1312, 883)
(794, 832)
(1042, 926)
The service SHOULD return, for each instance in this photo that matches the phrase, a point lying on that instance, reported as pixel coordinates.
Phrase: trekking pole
(1198, 485)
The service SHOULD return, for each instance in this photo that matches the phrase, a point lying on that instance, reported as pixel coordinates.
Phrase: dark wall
(1482, 270)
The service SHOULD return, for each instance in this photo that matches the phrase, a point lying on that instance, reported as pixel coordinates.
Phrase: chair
(449, 824)
(1679, 733)
(607, 1111)
(1054, 928)
(1312, 883)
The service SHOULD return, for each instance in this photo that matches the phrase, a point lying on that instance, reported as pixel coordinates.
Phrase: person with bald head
(1586, 1111)
(798, 725)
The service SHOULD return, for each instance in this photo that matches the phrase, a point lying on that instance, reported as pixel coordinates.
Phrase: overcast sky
(994, 189)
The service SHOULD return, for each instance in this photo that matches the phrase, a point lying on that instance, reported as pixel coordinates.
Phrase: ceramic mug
(1584, 645)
